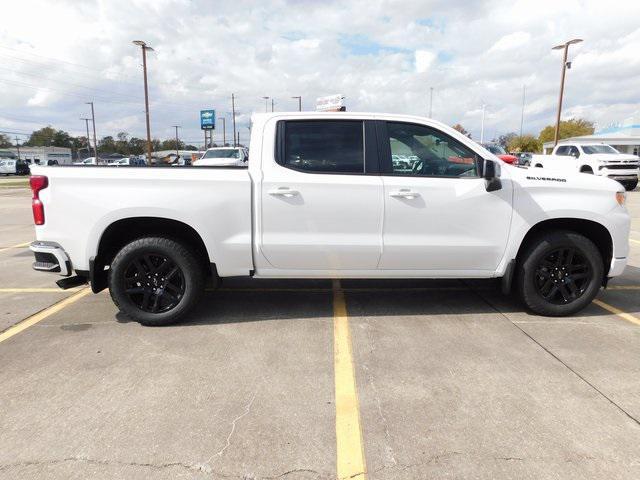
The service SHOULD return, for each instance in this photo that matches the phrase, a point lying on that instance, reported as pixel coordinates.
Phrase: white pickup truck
(322, 198)
(596, 159)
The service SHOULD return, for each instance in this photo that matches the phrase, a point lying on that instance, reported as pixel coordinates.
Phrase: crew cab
(321, 197)
(596, 159)
(223, 157)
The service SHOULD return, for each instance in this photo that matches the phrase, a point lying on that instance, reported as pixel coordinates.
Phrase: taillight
(38, 182)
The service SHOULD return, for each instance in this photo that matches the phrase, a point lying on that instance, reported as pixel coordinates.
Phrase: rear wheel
(560, 273)
(155, 280)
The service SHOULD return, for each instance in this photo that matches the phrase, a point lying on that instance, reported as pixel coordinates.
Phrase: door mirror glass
(491, 175)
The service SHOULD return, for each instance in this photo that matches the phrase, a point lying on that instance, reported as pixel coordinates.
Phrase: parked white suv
(223, 157)
(596, 159)
(322, 198)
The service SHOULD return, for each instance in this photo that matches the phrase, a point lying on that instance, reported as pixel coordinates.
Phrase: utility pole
(224, 130)
(522, 115)
(86, 122)
(266, 104)
(238, 142)
(95, 142)
(18, 147)
(431, 102)
(144, 48)
(177, 141)
(299, 102)
(233, 113)
(272, 103)
(482, 125)
(565, 65)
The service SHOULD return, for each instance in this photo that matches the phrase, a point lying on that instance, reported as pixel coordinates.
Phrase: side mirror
(491, 176)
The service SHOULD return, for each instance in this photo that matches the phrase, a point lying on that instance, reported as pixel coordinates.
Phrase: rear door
(438, 215)
(321, 197)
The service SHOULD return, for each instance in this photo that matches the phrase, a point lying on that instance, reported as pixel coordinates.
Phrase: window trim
(386, 163)
(371, 162)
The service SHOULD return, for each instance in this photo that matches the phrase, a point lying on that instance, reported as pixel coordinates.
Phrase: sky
(383, 56)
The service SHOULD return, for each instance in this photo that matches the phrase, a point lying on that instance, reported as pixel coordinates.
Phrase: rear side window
(322, 146)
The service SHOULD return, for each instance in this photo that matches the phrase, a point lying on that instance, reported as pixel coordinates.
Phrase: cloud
(424, 59)
(511, 41)
(470, 52)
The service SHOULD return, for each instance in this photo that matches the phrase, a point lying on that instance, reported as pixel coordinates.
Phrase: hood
(612, 157)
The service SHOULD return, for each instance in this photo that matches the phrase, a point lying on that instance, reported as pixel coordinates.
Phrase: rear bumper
(51, 257)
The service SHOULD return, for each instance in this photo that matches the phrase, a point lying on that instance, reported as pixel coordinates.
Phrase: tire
(575, 280)
(630, 185)
(538, 165)
(155, 281)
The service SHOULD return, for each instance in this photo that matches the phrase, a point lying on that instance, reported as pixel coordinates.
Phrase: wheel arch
(594, 231)
(125, 230)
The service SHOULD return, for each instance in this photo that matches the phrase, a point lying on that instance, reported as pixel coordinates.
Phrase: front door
(438, 215)
(321, 210)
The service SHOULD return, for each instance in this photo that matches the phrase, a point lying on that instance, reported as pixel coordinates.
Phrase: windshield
(591, 149)
(495, 149)
(222, 153)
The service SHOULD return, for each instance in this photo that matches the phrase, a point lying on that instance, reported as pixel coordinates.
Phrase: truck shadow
(239, 301)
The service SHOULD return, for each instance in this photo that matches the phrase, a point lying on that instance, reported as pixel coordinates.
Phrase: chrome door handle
(404, 193)
(283, 192)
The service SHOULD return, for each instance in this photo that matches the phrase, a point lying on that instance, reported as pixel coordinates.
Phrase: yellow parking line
(623, 287)
(33, 319)
(616, 311)
(20, 245)
(35, 290)
(349, 447)
(634, 241)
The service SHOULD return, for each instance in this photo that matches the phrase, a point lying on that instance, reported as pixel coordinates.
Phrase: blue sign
(207, 119)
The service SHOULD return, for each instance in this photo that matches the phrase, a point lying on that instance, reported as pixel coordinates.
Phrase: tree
(171, 145)
(5, 141)
(107, 145)
(524, 143)
(461, 129)
(137, 146)
(503, 140)
(574, 127)
(122, 143)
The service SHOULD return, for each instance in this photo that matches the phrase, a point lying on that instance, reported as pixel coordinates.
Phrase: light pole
(565, 65)
(430, 102)
(86, 122)
(177, 142)
(144, 48)
(266, 104)
(299, 102)
(233, 113)
(224, 130)
(272, 104)
(522, 114)
(95, 141)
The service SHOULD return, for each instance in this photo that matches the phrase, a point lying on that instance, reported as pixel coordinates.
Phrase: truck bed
(80, 202)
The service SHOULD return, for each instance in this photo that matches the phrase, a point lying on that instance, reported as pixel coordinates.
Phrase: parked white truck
(322, 198)
(596, 159)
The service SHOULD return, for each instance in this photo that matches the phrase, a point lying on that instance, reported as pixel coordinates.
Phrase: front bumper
(50, 257)
(617, 174)
(617, 267)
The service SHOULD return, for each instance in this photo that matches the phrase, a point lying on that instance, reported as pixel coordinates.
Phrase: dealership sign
(207, 119)
(331, 103)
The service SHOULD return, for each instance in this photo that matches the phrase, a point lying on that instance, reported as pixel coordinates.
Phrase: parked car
(524, 158)
(128, 162)
(87, 161)
(596, 159)
(321, 198)
(499, 152)
(223, 157)
(8, 166)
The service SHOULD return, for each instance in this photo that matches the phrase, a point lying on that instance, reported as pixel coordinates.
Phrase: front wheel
(155, 280)
(560, 273)
(630, 185)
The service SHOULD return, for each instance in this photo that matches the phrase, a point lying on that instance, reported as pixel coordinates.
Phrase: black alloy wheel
(154, 283)
(563, 275)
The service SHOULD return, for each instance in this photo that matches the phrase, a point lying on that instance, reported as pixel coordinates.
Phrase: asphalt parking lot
(315, 379)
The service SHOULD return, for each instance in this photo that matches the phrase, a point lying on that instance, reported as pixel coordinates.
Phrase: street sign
(207, 119)
(331, 103)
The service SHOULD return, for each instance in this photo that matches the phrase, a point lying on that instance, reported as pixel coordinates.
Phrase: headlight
(621, 197)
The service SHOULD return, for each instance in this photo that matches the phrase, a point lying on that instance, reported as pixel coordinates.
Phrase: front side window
(562, 151)
(329, 146)
(424, 151)
(593, 149)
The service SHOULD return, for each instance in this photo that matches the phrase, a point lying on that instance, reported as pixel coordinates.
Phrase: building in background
(42, 155)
